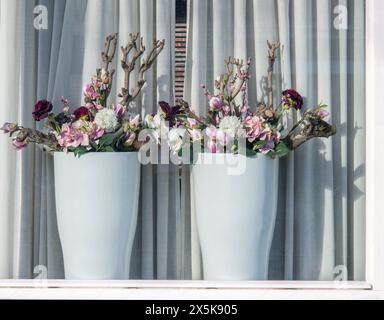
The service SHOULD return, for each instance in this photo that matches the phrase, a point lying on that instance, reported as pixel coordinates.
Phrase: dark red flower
(170, 112)
(82, 112)
(42, 110)
(292, 99)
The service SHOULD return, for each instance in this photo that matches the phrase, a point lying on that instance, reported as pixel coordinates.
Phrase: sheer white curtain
(57, 62)
(320, 222)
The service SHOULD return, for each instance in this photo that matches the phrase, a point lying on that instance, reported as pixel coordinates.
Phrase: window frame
(373, 287)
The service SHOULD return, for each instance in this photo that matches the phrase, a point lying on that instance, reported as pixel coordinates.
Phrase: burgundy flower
(292, 99)
(82, 112)
(170, 112)
(42, 110)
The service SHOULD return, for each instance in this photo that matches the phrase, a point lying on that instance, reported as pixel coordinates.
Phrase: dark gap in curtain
(337, 140)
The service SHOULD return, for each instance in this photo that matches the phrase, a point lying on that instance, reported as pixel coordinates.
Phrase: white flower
(157, 126)
(153, 122)
(107, 120)
(232, 126)
(175, 140)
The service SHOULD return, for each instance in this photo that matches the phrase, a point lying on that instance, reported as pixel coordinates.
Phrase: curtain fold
(321, 185)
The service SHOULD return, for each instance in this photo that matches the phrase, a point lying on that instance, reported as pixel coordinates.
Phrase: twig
(158, 46)
(34, 136)
(129, 65)
(108, 54)
(272, 48)
(309, 127)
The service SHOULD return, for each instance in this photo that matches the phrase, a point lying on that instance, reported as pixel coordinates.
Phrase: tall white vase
(97, 203)
(235, 200)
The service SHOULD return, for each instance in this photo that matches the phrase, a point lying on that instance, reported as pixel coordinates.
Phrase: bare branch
(34, 136)
(272, 48)
(128, 64)
(109, 53)
(309, 127)
(157, 47)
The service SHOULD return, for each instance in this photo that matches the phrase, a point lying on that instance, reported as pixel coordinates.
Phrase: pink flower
(195, 134)
(19, 144)
(231, 86)
(212, 147)
(215, 104)
(268, 147)
(272, 139)
(65, 104)
(89, 106)
(254, 127)
(71, 137)
(90, 92)
(322, 113)
(192, 123)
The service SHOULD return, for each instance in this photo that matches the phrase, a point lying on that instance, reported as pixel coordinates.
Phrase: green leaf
(78, 152)
(258, 145)
(106, 140)
(94, 145)
(282, 150)
(225, 79)
(250, 153)
(109, 149)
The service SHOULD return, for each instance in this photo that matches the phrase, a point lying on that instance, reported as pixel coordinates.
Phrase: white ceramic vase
(97, 203)
(235, 201)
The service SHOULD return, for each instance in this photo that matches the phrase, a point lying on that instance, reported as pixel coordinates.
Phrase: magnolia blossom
(215, 103)
(196, 134)
(129, 138)
(120, 111)
(254, 127)
(175, 139)
(107, 120)
(215, 136)
(71, 137)
(157, 125)
(90, 92)
(153, 121)
(8, 127)
(192, 123)
(134, 121)
(232, 126)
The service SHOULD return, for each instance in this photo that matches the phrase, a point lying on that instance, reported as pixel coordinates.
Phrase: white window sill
(185, 290)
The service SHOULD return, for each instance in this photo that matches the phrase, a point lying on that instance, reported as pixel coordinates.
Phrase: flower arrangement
(229, 119)
(95, 126)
